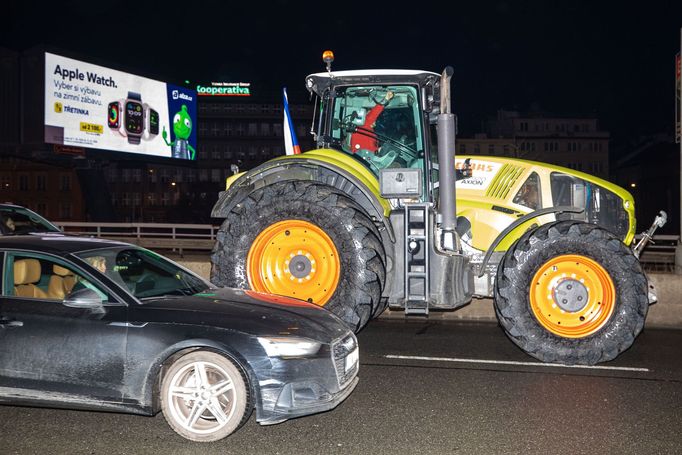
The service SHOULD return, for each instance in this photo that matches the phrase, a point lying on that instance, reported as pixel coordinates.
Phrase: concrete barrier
(667, 313)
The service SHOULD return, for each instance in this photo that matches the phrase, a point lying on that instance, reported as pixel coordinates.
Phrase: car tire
(572, 293)
(325, 230)
(204, 396)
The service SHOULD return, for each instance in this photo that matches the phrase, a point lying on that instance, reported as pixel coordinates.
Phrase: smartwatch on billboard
(151, 123)
(114, 118)
(133, 110)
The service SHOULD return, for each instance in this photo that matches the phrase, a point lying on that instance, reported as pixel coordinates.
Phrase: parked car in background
(15, 219)
(95, 324)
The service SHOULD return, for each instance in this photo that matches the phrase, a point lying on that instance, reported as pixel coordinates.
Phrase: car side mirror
(83, 298)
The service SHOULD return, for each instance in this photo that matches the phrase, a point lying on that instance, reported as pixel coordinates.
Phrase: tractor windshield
(379, 124)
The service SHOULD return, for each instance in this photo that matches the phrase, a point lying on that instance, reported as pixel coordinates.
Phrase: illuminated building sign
(225, 89)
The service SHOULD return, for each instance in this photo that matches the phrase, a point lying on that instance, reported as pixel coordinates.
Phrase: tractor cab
(380, 117)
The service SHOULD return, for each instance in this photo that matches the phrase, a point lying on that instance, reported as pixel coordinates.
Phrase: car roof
(57, 243)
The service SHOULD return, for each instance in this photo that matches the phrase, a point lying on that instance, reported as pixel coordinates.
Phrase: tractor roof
(319, 82)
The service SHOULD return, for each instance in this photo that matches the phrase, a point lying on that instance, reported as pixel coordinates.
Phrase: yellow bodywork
(501, 179)
(340, 160)
(489, 206)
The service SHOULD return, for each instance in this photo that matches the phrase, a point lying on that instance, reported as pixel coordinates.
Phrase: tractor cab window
(529, 193)
(379, 124)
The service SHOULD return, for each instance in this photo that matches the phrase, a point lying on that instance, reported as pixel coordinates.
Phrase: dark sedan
(93, 324)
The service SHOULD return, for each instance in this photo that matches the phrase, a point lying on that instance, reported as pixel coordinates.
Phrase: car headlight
(289, 346)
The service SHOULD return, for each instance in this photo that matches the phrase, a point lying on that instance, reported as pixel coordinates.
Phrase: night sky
(611, 59)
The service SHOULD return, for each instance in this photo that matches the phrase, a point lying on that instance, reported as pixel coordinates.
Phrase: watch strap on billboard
(134, 96)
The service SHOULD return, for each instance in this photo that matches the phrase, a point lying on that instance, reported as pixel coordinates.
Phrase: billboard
(92, 106)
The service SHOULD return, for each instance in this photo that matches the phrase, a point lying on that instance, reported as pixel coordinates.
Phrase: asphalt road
(445, 387)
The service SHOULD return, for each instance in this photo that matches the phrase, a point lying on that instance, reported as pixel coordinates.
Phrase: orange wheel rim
(294, 258)
(572, 296)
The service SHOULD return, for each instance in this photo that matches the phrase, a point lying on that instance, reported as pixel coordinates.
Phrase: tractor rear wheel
(304, 240)
(571, 292)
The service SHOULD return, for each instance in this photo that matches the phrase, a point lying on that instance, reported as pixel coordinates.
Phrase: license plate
(352, 359)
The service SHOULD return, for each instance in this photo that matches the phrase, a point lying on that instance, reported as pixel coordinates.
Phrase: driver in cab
(364, 141)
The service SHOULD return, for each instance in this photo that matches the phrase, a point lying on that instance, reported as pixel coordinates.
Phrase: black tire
(361, 254)
(178, 406)
(533, 251)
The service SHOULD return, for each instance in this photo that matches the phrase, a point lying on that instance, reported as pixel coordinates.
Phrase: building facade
(574, 142)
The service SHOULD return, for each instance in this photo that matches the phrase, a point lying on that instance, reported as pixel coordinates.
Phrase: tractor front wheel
(571, 292)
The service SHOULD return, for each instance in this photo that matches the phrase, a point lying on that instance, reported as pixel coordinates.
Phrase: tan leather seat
(60, 283)
(26, 274)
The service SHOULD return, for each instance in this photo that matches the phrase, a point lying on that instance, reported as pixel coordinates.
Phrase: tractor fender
(519, 222)
(300, 167)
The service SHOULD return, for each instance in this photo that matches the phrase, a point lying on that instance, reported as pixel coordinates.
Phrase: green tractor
(374, 218)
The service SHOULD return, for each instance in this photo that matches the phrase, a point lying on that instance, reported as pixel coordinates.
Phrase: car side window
(529, 193)
(41, 278)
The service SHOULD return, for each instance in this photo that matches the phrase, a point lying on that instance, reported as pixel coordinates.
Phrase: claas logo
(476, 166)
(58, 108)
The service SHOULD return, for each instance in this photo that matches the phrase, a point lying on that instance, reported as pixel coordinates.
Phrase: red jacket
(363, 140)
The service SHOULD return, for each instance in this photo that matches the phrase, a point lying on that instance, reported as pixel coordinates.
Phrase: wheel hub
(294, 258)
(300, 266)
(570, 295)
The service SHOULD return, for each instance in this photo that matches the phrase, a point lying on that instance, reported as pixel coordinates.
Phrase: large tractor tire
(304, 240)
(571, 292)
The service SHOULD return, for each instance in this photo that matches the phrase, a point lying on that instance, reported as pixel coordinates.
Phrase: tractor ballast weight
(371, 219)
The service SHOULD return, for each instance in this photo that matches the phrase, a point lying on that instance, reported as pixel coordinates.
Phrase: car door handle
(10, 323)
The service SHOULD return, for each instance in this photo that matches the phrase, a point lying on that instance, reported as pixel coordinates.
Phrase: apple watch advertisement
(92, 106)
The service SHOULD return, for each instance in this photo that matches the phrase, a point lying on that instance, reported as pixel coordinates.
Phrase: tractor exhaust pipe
(446, 159)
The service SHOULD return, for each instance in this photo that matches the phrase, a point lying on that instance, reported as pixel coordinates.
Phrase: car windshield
(144, 273)
(19, 220)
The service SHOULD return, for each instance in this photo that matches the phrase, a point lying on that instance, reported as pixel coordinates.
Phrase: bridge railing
(657, 256)
(164, 236)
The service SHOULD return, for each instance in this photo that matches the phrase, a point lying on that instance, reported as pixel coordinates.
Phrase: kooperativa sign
(92, 106)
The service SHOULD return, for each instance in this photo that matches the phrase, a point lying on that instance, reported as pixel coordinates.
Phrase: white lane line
(510, 362)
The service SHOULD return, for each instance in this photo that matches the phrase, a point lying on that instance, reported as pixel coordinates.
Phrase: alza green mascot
(182, 127)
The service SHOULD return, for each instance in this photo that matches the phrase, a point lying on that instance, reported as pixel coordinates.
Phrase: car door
(52, 350)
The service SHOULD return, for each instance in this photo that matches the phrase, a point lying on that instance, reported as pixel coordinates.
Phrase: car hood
(244, 311)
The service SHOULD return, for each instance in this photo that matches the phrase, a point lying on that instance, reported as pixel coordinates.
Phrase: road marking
(510, 362)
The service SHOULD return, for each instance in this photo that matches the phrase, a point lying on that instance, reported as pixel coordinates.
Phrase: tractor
(383, 214)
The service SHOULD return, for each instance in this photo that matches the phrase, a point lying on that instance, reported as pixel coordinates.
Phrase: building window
(215, 154)
(165, 199)
(203, 175)
(125, 175)
(23, 182)
(153, 175)
(151, 199)
(215, 175)
(491, 148)
(65, 183)
(41, 182)
(136, 199)
(253, 129)
(137, 175)
(65, 211)
(477, 149)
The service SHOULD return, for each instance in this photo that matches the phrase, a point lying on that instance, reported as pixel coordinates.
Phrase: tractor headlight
(289, 346)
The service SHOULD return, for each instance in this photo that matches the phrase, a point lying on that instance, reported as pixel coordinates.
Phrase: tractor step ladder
(417, 259)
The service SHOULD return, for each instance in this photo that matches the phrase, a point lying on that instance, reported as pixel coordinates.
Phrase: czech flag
(291, 146)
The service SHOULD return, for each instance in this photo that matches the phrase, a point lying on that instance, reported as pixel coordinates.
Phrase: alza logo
(178, 95)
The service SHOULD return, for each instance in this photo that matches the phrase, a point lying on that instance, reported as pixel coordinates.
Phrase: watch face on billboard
(134, 117)
(114, 118)
(153, 122)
